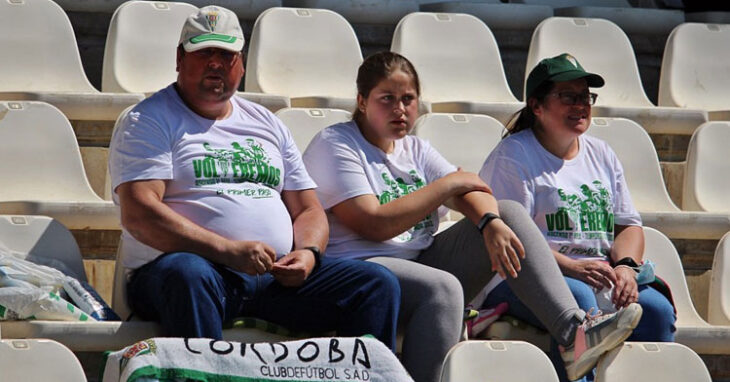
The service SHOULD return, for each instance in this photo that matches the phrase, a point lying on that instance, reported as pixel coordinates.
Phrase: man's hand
(505, 249)
(597, 274)
(626, 290)
(251, 257)
(292, 269)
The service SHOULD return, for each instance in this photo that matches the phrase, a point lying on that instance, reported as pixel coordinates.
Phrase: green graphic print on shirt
(398, 188)
(587, 215)
(243, 163)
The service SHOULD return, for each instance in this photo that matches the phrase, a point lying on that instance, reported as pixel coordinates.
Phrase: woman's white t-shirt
(345, 165)
(575, 202)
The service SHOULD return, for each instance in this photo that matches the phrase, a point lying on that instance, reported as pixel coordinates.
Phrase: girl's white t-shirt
(345, 165)
(575, 203)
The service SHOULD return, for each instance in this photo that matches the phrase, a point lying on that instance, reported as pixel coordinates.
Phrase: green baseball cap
(557, 69)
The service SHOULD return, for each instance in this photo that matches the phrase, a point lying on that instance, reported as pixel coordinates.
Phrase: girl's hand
(597, 274)
(461, 182)
(505, 249)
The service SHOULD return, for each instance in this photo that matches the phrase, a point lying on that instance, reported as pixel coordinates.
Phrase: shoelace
(592, 320)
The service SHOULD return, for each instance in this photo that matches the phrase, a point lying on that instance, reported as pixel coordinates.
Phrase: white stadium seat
(45, 241)
(718, 307)
(386, 12)
(141, 45)
(603, 48)
(465, 140)
(695, 69)
(707, 174)
(643, 173)
(692, 330)
(458, 64)
(496, 14)
(43, 171)
(649, 361)
(631, 20)
(309, 55)
(244, 9)
(141, 49)
(497, 361)
(38, 360)
(41, 62)
(304, 123)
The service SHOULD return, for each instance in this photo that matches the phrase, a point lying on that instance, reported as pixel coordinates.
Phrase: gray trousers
(454, 269)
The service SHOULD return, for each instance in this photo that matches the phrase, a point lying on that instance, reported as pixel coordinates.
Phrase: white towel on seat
(200, 359)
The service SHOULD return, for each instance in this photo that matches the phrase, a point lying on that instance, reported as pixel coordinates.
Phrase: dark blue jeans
(192, 297)
(656, 324)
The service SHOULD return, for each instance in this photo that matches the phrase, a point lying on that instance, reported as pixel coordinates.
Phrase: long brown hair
(378, 67)
(525, 119)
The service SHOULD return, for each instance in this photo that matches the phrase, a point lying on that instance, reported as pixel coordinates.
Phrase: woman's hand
(597, 274)
(461, 182)
(626, 290)
(505, 249)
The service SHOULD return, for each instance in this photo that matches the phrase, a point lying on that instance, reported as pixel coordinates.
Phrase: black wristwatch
(317, 256)
(626, 261)
(486, 219)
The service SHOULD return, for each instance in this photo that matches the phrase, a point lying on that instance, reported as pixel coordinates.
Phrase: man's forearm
(311, 228)
(155, 224)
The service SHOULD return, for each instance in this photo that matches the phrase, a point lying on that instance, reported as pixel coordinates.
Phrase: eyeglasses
(570, 98)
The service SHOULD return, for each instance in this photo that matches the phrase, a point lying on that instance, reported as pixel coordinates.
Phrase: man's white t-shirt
(575, 203)
(224, 175)
(345, 165)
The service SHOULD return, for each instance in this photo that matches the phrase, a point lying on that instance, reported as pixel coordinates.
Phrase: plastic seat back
(39, 51)
(637, 154)
(497, 361)
(718, 307)
(465, 140)
(41, 155)
(601, 47)
(660, 250)
(38, 360)
(303, 52)
(304, 124)
(707, 174)
(649, 361)
(456, 57)
(695, 67)
(43, 241)
(141, 46)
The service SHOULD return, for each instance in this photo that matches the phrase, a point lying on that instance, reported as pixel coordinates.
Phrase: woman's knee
(510, 210)
(657, 310)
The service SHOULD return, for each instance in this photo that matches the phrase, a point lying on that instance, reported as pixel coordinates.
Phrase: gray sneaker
(597, 335)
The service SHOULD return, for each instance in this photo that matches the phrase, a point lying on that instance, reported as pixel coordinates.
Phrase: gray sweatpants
(454, 269)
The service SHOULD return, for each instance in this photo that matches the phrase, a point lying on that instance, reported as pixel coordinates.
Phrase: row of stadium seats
(45, 174)
(648, 17)
(47, 241)
(466, 361)
(310, 56)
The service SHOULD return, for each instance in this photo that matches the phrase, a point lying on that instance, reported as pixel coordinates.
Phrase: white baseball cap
(212, 27)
